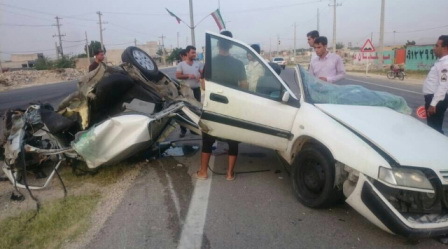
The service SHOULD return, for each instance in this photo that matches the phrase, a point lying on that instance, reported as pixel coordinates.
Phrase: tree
(94, 46)
(339, 45)
(64, 62)
(408, 43)
(174, 56)
(43, 64)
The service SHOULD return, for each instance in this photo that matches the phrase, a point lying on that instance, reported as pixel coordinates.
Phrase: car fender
(345, 146)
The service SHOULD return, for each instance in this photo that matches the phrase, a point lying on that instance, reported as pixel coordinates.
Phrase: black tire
(313, 175)
(391, 75)
(283, 67)
(142, 61)
(401, 75)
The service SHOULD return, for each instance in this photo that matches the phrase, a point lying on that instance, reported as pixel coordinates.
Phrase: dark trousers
(207, 144)
(436, 121)
(197, 96)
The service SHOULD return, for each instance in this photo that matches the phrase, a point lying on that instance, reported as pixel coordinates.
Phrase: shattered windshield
(319, 92)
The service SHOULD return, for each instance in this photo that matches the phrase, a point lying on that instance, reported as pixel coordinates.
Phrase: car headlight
(410, 178)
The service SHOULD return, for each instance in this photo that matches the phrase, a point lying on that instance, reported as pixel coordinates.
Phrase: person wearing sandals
(238, 77)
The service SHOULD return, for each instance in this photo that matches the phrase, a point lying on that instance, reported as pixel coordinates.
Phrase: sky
(28, 26)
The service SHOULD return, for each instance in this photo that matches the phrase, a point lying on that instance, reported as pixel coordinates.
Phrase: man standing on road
(327, 66)
(99, 57)
(190, 71)
(435, 87)
(311, 36)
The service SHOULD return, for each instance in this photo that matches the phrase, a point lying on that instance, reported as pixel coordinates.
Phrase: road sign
(368, 46)
(421, 112)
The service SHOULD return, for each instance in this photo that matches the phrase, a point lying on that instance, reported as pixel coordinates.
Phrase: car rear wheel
(142, 61)
(313, 175)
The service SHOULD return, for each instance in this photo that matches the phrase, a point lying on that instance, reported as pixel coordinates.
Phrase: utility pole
(178, 39)
(278, 43)
(87, 48)
(60, 50)
(318, 20)
(334, 23)
(295, 33)
(163, 49)
(380, 52)
(101, 29)
(135, 42)
(57, 50)
(193, 40)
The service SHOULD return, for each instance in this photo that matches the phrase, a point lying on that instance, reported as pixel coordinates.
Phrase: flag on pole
(173, 15)
(218, 19)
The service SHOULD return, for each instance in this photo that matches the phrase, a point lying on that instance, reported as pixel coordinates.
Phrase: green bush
(43, 64)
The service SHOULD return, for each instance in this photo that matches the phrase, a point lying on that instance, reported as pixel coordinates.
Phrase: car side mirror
(285, 97)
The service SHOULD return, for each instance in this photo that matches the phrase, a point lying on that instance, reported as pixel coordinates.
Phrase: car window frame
(208, 69)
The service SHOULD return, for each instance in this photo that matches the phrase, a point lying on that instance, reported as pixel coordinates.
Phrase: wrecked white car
(116, 112)
(341, 142)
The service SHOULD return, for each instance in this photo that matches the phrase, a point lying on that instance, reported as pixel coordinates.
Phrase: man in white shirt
(190, 71)
(435, 87)
(254, 69)
(327, 66)
(311, 36)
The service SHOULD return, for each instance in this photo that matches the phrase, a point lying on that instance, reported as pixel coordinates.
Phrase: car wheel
(142, 61)
(390, 75)
(313, 175)
(283, 67)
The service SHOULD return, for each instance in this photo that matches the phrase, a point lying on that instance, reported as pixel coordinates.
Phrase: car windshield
(278, 59)
(319, 92)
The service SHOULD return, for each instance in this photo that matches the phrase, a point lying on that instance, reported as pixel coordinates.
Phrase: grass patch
(106, 175)
(56, 222)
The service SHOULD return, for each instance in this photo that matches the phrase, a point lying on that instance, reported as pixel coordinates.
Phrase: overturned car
(116, 112)
(341, 142)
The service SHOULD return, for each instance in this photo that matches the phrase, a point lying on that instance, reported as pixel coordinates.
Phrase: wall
(420, 57)
(372, 57)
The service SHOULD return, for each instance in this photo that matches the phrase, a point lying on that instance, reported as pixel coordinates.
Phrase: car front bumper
(373, 205)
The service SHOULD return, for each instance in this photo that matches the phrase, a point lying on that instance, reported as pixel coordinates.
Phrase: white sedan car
(342, 143)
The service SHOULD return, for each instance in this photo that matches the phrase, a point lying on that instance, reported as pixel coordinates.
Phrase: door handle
(218, 98)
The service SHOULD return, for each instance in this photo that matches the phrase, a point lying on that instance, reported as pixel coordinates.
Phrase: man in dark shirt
(226, 69)
(99, 57)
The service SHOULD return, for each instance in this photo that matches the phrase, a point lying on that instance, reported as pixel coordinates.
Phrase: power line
(24, 25)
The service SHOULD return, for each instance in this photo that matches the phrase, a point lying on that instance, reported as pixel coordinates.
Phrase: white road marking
(173, 194)
(193, 229)
(395, 88)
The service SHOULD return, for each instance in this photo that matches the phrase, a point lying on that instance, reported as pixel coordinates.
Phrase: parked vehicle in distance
(396, 72)
(280, 61)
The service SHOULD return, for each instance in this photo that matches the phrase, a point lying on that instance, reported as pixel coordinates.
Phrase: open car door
(243, 96)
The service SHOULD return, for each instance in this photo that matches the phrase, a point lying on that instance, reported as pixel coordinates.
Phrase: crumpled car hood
(405, 139)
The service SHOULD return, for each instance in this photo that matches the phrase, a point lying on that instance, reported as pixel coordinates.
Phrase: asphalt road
(166, 208)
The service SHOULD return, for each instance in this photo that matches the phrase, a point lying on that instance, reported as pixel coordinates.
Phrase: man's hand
(191, 76)
(323, 78)
(431, 110)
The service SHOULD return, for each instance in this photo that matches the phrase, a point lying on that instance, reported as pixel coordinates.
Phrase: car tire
(313, 175)
(142, 61)
(391, 75)
(283, 67)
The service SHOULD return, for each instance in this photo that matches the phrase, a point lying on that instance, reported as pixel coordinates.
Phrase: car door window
(237, 66)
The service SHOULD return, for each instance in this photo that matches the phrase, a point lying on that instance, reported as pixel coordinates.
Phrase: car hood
(405, 139)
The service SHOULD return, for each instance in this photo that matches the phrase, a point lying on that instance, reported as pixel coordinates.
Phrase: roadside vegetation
(64, 219)
(56, 222)
(47, 64)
